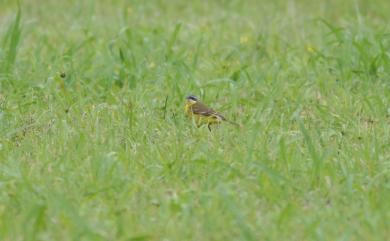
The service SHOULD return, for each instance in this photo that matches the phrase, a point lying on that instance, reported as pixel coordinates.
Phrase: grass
(105, 153)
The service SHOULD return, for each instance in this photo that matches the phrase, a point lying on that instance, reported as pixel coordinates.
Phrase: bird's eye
(191, 97)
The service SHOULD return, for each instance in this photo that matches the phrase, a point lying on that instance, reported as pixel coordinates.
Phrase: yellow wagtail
(203, 114)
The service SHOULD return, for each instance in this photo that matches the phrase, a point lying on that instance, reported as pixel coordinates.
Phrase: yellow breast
(187, 109)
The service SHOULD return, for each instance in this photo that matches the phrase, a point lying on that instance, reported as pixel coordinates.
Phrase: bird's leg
(208, 126)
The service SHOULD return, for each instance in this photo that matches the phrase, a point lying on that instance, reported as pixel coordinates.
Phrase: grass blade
(12, 39)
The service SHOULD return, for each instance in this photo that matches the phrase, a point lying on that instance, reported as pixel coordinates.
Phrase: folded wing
(201, 109)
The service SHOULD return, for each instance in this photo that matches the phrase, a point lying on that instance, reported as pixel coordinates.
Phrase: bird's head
(192, 99)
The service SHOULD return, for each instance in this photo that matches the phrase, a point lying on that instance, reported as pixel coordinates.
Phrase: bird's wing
(201, 109)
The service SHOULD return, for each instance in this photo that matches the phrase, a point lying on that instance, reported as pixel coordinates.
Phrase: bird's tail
(233, 123)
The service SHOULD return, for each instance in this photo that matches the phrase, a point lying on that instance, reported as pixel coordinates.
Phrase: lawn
(94, 143)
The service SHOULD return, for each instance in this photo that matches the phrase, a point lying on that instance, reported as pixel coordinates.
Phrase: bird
(203, 114)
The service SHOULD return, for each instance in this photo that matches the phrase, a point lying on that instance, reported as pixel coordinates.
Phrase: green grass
(106, 153)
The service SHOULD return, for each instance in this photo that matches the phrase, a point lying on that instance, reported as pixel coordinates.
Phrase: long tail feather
(233, 123)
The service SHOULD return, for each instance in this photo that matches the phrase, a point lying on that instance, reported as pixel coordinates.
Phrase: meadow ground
(105, 153)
